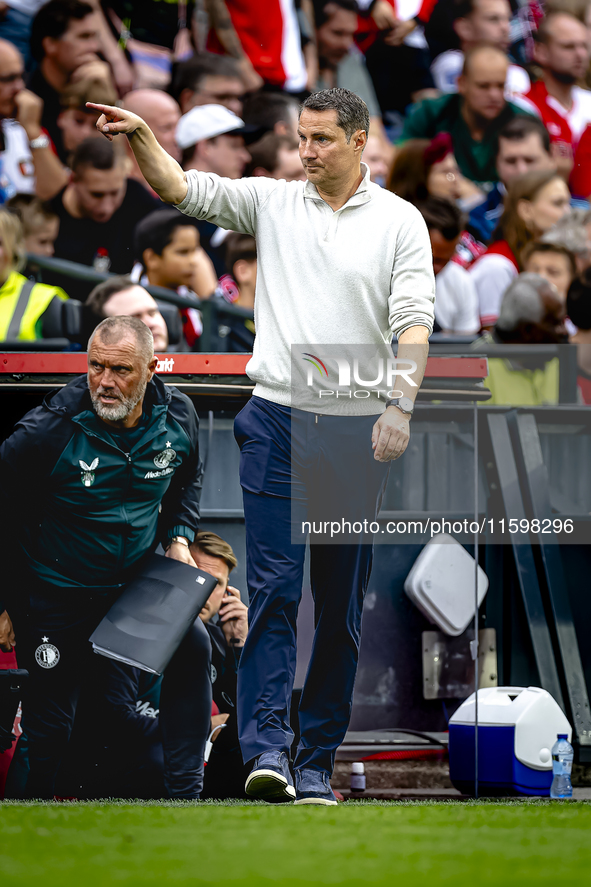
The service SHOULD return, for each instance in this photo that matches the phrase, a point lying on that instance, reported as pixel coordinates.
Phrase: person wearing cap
(340, 260)
(211, 139)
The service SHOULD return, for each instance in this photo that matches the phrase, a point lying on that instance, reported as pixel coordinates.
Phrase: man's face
(215, 566)
(335, 36)
(555, 267)
(326, 155)
(226, 155)
(289, 165)
(516, 158)
(375, 158)
(11, 79)
(178, 262)
(99, 192)
(215, 90)
(442, 250)
(77, 45)
(488, 23)
(77, 125)
(163, 125)
(117, 380)
(137, 302)
(566, 54)
(483, 86)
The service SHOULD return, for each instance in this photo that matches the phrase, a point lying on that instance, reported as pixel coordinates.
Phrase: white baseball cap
(206, 122)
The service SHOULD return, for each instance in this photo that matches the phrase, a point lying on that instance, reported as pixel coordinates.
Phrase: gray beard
(118, 412)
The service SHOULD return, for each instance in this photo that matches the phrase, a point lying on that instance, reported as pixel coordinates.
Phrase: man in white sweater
(342, 264)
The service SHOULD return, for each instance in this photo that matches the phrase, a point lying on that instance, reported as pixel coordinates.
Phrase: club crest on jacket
(88, 475)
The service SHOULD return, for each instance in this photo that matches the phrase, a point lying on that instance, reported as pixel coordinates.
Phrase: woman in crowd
(424, 169)
(28, 310)
(534, 202)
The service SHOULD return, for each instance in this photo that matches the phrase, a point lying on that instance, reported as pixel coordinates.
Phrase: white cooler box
(517, 728)
(441, 584)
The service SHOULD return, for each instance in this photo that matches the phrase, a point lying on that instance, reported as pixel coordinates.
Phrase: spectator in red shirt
(562, 52)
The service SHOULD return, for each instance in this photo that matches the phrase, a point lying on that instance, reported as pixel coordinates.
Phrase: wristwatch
(41, 141)
(182, 539)
(404, 404)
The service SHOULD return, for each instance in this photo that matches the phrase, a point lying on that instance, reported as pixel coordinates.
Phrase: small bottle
(357, 777)
(562, 763)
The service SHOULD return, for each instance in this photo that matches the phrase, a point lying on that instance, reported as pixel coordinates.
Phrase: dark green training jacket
(81, 510)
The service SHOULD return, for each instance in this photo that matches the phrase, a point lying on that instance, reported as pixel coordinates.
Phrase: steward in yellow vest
(24, 305)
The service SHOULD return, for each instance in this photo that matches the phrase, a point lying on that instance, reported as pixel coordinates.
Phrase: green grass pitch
(403, 844)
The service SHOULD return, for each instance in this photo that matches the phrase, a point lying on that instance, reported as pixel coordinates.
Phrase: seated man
(207, 78)
(531, 313)
(98, 211)
(473, 117)
(212, 140)
(117, 751)
(120, 295)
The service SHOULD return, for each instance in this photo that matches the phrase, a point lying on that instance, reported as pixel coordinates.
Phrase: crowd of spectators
(480, 116)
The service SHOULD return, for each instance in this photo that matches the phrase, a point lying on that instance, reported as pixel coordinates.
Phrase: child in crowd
(169, 254)
(40, 224)
(241, 259)
(557, 264)
(28, 310)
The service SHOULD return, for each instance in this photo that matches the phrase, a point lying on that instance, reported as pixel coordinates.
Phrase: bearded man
(90, 483)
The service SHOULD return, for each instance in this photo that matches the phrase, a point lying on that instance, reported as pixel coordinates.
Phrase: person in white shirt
(456, 302)
(340, 260)
(476, 22)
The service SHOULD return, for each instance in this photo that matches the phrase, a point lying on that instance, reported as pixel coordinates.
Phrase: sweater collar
(362, 195)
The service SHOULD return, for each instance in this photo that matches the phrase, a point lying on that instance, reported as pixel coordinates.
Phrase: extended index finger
(106, 109)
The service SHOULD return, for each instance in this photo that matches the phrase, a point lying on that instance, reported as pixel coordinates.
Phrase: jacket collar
(362, 195)
(74, 397)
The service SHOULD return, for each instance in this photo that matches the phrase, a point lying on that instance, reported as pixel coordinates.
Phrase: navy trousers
(297, 467)
(52, 627)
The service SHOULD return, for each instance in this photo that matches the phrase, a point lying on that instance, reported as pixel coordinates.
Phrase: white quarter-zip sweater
(351, 277)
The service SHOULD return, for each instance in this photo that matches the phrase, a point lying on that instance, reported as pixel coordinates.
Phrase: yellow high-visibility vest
(22, 303)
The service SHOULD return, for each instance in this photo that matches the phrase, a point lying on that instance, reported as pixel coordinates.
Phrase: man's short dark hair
(522, 126)
(321, 16)
(578, 301)
(156, 231)
(190, 73)
(463, 8)
(442, 215)
(265, 109)
(239, 247)
(352, 112)
(100, 295)
(97, 153)
(53, 20)
(541, 247)
(265, 152)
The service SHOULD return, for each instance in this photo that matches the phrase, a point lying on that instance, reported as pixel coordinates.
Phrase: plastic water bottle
(562, 763)
(357, 777)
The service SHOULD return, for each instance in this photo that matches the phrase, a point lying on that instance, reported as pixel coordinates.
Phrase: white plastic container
(441, 584)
